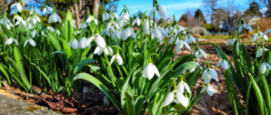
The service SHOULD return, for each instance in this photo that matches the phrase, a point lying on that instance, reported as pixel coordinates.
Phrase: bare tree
(210, 6)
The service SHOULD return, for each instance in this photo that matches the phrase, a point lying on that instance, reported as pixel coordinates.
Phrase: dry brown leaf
(217, 104)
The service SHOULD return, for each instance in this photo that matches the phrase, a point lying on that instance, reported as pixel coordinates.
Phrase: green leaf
(101, 86)
(139, 105)
(54, 41)
(130, 103)
(81, 64)
(6, 31)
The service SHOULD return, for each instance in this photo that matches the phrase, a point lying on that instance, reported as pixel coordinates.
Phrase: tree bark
(96, 7)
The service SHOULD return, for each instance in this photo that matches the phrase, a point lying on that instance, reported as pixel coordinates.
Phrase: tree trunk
(77, 15)
(96, 8)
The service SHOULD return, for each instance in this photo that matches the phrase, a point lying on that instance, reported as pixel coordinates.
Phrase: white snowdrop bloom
(266, 31)
(260, 51)
(83, 25)
(189, 39)
(114, 16)
(124, 19)
(105, 16)
(108, 50)
(258, 36)
(113, 25)
(34, 33)
(177, 98)
(199, 53)
(193, 69)
(224, 63)
(210, 90)
(34, 11)
(162, 31)
(74, 44)
(106, 31)
(125, 16)
(84, 43)
(118, 58)
(179, 29)
(182, 86)
(54, 18)
(10, 41)
(116, 34)
(127, 33)
(6, 22)
(146, 26)
(50, 28)
(74, 24)
(208, 74)
(136, 21)
(155, 32)
(99, 41)
(30, 41)
(17, 6)
(231, 41)
(246, 26)
(149, 71)
(180, 44)
(19, 20)
(92, 19)
(47, 10)
(33, 19)
(264, 67)
(160, 9)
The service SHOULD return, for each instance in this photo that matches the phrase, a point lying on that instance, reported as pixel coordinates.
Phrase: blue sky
(176, 7)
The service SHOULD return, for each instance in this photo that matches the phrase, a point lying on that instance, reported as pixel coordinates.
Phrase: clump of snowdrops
(251, 79)
(136, 70)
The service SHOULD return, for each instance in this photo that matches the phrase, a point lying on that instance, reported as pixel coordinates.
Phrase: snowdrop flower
(208, 74)
(19, 20)
(33, 19)
(10, 41)
(106, 50)
(34, 11)
(193, 69)
(118, 58)
(183, 86)
(83, 25)
(54, 18)
(224, 63)
(149, 71)
(17, 6)
(189, 39)
(116, 34)
(6, 22)
(105, 16)
(91, 19)
(179, 29)
(260, 51)
(264, 67)
(199, 53)
(30, 41)
(34, 33)
(99, 41)
(74, 44)
(258, 36)
(47, 10)
(84, 43)
(210, 90)
(177, 98)
(106, 31)
(246, 26)
(146, 26)
(231, 41)
(136, 21)
(113, 25)
(123, 19)
(180, 44)
(127, 33)
(155, 32)
(113, 16)
(160, 9)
